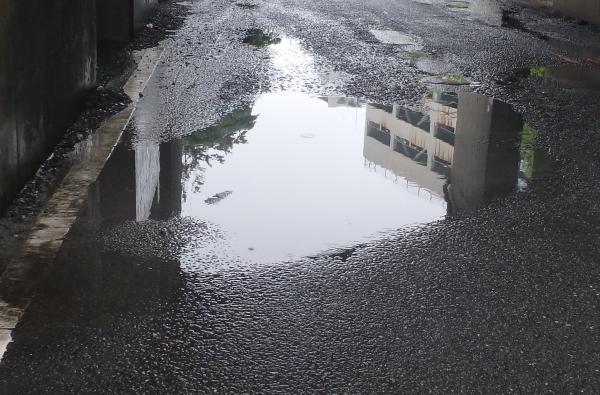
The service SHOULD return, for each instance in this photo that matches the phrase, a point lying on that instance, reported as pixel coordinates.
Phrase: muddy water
(294, 175)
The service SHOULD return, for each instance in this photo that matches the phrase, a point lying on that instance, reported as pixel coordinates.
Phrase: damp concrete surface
(357, 198)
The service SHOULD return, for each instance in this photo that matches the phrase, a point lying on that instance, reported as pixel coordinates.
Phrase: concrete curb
(42, 245)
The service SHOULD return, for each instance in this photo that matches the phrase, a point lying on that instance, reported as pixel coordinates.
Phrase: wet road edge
(44, 241)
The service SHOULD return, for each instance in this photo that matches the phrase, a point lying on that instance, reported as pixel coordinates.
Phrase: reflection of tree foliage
(259, 38)
(206, 146)
(528, 136)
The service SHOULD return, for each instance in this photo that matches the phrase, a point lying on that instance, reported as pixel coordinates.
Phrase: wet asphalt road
(503, 300)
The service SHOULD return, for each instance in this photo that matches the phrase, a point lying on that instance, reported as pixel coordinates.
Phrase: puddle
(259, 38)
(9, 317)
(495, 13)
(464, 147)
(574, 76)
(246, 6)
(447, 79)
(397, 38)
(580, 77)
(5, 340)
(299, 182)
(294, 175)
(458, 5)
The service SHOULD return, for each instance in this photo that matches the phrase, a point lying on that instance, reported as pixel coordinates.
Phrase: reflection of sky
(301, 186)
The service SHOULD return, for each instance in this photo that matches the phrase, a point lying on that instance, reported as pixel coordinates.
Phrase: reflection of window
(415, 118)
(441, 166)
(444, 133)
(380, 134)
(382, 107)
(449, 99)
(412, 151)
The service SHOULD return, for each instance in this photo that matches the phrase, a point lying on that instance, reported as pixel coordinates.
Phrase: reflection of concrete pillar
(171, 171)
(142, 183)
(489, 11)
(117, 185)
(543, 165)
(147, 176)
(486, 153)
(588, 10)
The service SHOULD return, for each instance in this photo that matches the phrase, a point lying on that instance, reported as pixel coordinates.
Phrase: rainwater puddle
(295, 181)
(570, 75)
(259, 38)
(458, 5)
(294, 175)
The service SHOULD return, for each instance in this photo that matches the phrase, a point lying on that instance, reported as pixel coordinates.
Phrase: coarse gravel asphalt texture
(505, 299)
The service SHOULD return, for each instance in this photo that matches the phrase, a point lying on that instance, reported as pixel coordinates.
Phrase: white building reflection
(142, 182)
(464, 147)
(414, 145)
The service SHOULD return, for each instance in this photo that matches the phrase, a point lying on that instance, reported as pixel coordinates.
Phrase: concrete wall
(47, 59)
(119, 19)
(114, 20)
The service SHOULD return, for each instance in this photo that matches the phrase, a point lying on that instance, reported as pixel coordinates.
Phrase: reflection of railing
(444, 133)
(412, 151)
(380, 134)
(410, 186)
(415, 118)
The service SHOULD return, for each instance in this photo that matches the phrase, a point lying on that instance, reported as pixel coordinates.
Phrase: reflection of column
(489, 11)
(117, 185)
(486, 151)
(142, 183)
(147, 176)
(158, 170)
(171, 171)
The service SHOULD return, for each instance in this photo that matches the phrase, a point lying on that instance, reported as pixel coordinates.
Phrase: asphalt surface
(502, 300)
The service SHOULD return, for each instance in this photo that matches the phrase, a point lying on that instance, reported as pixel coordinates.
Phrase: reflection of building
(416, 146)
(466, 148)
(490, 11)
(142, 183)
(341, 101)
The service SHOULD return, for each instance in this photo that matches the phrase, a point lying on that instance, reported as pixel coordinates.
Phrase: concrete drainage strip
(46, 237)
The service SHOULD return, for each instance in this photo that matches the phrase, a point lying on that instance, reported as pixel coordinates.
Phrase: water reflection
(143, 182)
(204, 147)
(465, 147)
(290, 180)
(295, 175)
